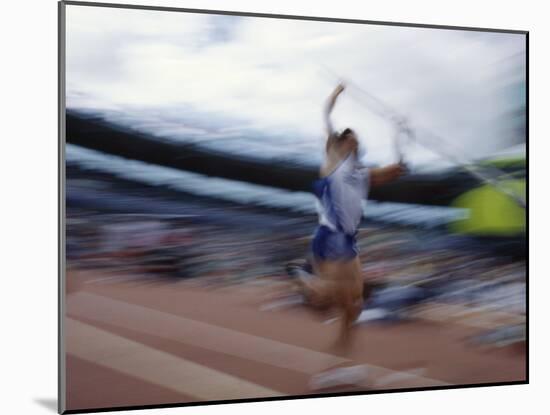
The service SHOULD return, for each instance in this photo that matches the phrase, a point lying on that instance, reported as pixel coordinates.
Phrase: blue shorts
(333, 246)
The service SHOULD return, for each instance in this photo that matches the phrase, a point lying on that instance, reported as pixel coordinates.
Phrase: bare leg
(317, 292)
(340, 285)
(344, 287)
(350, 301)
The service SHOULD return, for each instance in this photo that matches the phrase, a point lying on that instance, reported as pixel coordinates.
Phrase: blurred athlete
(340, 190)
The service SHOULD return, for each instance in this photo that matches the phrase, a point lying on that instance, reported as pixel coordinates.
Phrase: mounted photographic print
(259, 207)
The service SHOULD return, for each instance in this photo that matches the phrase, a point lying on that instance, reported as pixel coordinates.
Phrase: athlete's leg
(344, 287)
(350, 298)
(319, 288)
(339, 285)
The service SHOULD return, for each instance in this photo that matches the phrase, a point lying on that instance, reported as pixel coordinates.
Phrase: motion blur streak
(192, 145)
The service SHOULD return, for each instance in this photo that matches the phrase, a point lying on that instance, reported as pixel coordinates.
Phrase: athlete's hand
(339, 89)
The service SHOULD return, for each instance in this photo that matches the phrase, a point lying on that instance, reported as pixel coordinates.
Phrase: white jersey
(340, 196)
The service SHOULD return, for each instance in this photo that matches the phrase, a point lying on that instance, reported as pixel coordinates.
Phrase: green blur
(492, 212)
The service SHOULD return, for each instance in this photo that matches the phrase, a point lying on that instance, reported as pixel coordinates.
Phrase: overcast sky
(217, 78)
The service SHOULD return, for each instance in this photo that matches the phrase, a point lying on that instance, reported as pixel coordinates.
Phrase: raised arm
(331, 101)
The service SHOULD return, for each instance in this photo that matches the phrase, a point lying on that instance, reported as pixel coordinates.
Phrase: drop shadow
(48, 403)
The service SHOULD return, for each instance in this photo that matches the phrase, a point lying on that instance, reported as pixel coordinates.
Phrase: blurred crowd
(412, 273)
